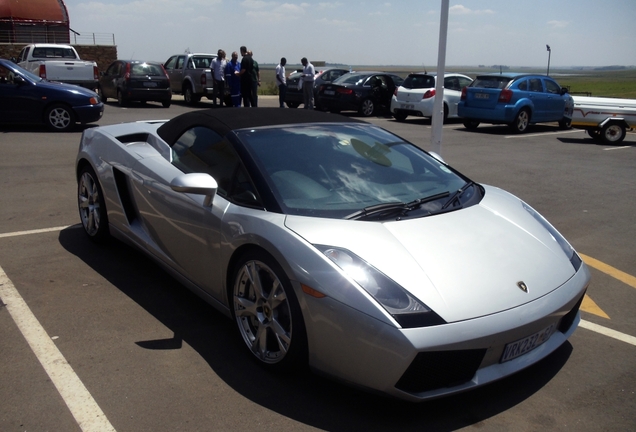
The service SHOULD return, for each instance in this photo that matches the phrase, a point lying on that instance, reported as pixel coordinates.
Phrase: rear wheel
(521, 121)
(613, 133)
(471, 124)
(595, 134)
(445, 112)
(92, 209)
(400, 116)
(59, 118)
(367, 108)
(267, 312)
(293, 104)
(166, 103)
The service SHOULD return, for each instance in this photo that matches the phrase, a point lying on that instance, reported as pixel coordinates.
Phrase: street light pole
(549, 53)
(437, 121)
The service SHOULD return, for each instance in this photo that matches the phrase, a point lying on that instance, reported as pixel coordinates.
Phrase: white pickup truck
(55, 62)
(605, 119)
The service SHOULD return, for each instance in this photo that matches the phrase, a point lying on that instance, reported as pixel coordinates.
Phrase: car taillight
(345, 91)
(429, 94)
(464, 91)
(95, 73)
(127, 73)
(42, 71)
(505, 96)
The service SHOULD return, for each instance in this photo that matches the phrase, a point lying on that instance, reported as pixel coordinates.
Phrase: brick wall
(102, 54)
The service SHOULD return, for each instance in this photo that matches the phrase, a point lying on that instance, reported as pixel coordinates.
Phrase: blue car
(517, 100)
(27, 98)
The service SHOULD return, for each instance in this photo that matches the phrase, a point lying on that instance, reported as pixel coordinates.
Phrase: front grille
(568, 318)
(439, 369)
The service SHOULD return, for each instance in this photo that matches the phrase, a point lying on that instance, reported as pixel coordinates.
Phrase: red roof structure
(27, 21)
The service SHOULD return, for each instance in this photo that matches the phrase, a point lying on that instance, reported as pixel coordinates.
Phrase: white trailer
(605, 119)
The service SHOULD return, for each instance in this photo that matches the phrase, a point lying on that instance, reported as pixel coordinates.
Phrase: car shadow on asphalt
(300, 395)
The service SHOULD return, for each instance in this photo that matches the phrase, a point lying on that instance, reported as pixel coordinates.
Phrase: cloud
(463, 10)
(558, 24)
(273, 11)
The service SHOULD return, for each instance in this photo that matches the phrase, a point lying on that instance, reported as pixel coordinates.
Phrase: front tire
(166, 103)
(292, 104)
(367, 108)
(59, 118)
(400, 116)
(189, 96)
(471, 124)
(613, 133)
(91, 205)
(565, 123)
(267, 312)
(521, 121)
(121, 100)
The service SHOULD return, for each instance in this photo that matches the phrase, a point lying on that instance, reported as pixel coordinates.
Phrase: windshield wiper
(458, 194)
(394, 207)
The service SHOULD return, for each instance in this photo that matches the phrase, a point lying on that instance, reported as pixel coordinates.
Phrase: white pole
(437, 121)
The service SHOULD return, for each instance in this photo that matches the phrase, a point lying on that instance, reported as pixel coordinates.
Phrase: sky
(352, 32)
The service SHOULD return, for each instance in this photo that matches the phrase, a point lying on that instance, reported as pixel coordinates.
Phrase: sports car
(333, 243)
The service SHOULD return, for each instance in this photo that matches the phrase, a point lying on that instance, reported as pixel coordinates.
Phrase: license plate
(482, 96)
(407, 106)
(330, 92)
(522, 346)
(150, 84)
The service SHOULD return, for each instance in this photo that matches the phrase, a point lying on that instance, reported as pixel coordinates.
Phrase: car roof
(512, 75)
(226, 120)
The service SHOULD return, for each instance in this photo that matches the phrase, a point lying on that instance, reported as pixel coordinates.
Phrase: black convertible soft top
(225, 120)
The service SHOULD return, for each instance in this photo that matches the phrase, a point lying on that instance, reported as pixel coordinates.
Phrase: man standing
(282, 81)
(248, 76)
(233, 79)
(308, 83)
(218, 73)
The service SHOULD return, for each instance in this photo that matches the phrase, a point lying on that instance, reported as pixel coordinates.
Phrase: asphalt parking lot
(121, 346)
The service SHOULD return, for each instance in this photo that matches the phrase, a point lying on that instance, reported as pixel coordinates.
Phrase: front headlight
(569, 251)
(403, 307)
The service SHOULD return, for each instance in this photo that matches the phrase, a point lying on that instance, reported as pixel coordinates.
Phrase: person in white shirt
(218, 74)
(308, 83)
(282, 81)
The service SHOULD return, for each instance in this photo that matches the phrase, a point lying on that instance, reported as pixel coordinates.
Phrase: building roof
(34, 10)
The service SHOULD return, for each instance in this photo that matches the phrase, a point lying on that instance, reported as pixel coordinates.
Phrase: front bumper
(89, 113)
(358, 349)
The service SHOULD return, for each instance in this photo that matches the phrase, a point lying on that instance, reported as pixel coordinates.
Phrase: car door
(187, 232)
(539, 100)
(108, 81)
(20, 99)
(555, 100)
(174, 69)
(452, 93)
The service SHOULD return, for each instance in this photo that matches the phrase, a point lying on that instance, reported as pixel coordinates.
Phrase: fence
(26, 36)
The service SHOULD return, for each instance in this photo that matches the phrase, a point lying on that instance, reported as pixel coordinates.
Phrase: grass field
(601, 83)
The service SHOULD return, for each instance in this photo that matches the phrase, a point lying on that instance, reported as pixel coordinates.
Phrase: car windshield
(417, 81)
(493, 82)
(336, 170)
(351, 78)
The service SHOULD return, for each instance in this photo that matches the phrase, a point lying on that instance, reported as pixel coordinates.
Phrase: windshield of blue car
(334, 170)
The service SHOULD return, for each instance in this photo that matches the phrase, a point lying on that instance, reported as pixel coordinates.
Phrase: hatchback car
(416, 95)
(135, 80)
(27, 98)
(365, 92)
(517, 100)
(294, 95)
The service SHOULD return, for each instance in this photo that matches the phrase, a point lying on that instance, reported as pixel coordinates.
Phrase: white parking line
(87, 413)
(617, 148)
(608, 332)
(38, 231)
(544, 134)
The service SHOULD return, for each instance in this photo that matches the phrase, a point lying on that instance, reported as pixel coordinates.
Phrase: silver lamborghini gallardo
(335, 244)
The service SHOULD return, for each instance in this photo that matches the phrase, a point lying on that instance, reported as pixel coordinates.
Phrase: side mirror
(196, 183)
(18, 79)
(564, 90)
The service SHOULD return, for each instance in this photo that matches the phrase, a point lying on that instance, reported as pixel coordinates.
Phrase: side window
(552, 87)
(535, 85)
(452, 83)
(180, 61)
(464, 82)
(202, 150)
(24, 54)
(170, 63)
(523, 85)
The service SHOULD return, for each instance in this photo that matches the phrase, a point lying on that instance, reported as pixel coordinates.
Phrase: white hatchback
(416, 95)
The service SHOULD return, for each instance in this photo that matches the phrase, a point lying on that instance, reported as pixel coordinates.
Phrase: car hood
(64, 87)
(463, 264)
